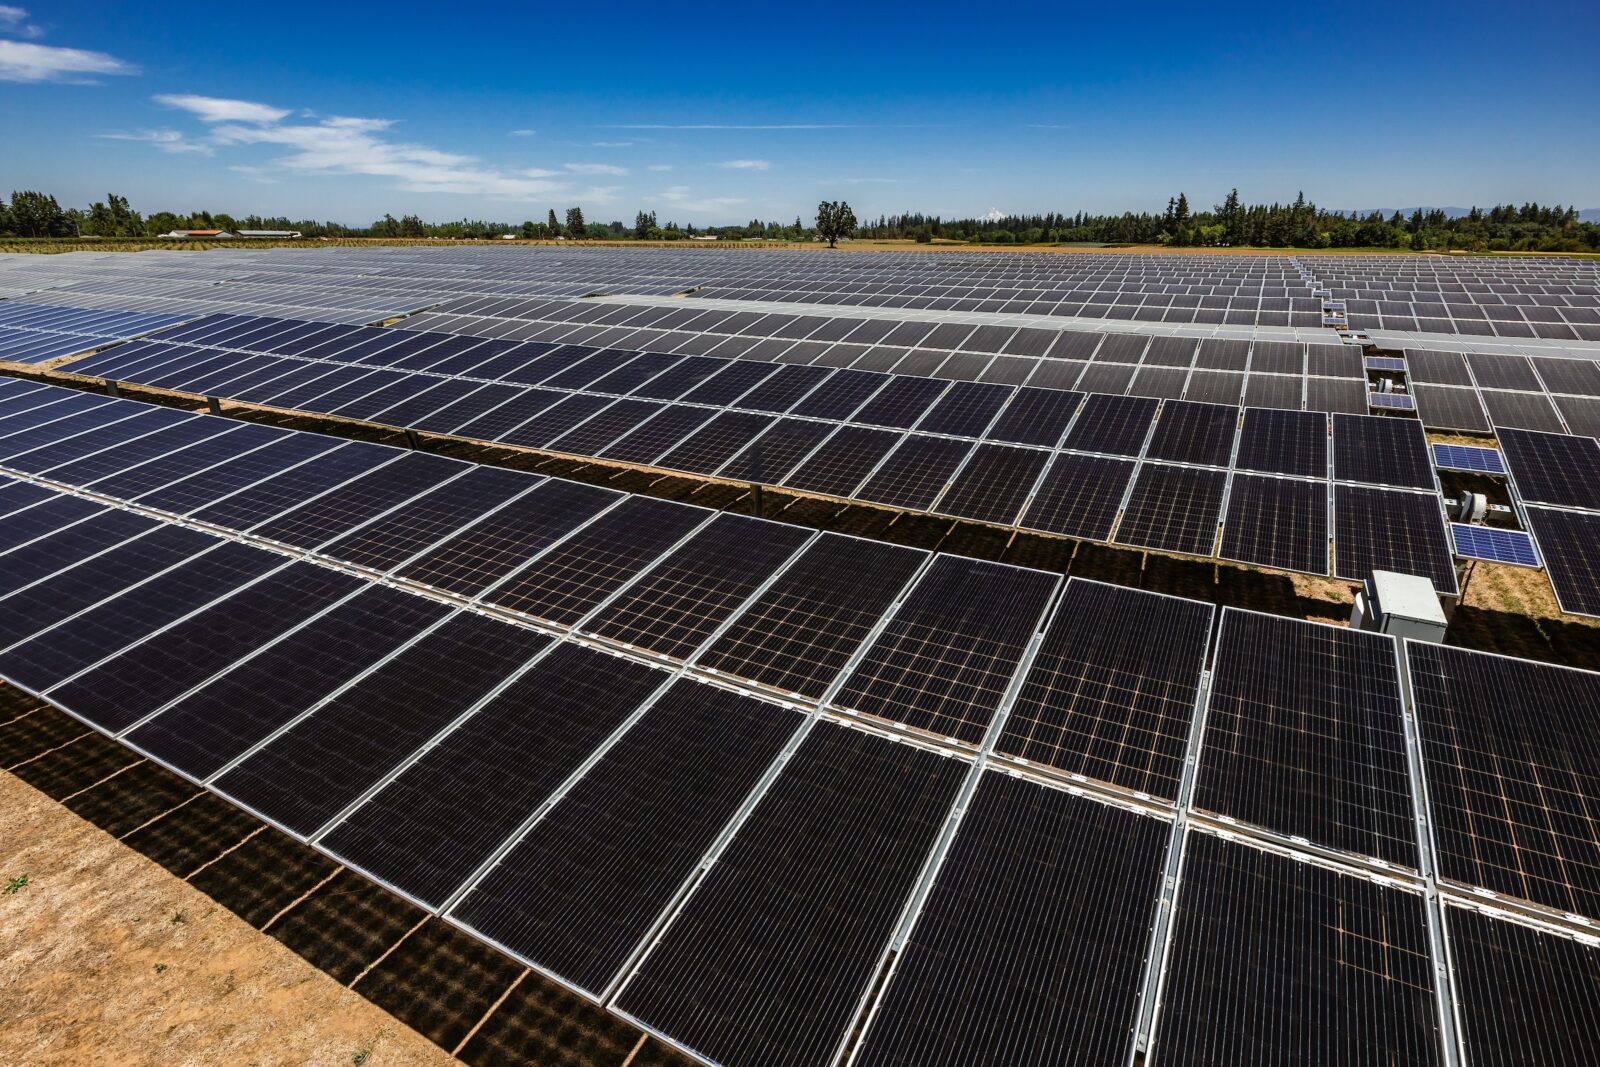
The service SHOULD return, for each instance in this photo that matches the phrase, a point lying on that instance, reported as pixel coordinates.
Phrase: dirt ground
(105, 958)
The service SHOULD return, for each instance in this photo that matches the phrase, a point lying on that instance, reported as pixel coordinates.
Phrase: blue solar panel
(1397, 401)
(1385, 363)
(1469, 458)
(1496, 546)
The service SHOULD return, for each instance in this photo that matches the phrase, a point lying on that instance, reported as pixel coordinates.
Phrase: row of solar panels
(559, 800)
(958, 463)
(1556, 478)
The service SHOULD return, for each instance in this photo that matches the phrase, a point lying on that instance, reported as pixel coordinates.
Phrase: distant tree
(555, 227)
(411, 226)
(34, 214)
(575, 226)
(835, 220)
(644, 225)
(1180, 213)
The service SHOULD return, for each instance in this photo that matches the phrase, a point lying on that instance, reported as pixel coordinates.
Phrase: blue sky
(716, 112)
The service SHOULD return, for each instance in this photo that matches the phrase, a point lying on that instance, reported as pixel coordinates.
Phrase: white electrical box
(1401, 605)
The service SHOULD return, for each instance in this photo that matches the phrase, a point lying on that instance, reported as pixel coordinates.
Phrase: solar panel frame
(1173, 509)
(1393, 530)
(1276, 522)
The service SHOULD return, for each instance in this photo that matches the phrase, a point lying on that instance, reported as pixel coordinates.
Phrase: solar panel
(915, 473)
(1173, 509)
(359, 500)
(1385, 363)
(427, 831)
(1263, 944)
(840, 395)
(1532, 411)
(770, 457)
(655, 436)
(1525, 995)
(1284, 442)
(1391, 401)
(841, 462)
(800, 633)
(673, 607)
(1305, 736)
(1080, 496)
(207, 729)
(1277, 522)
(718, 441)
(119, 691)
(1104, 701)
(1035, 416)
(1569, 543)
(210, 484)
(944, 660)
(1381, 451)
(1194, 433)
(1550, 468)
(994, 484)
(266, 496)
(1468, 458)
(1037, 883)
(1114, 424)
(741, 975)
(966, 410)
(314, 768)
(1509, 752)
(1442, 407)
(901, 403)
(579, 892)
(1390, 530)
(1494, 545)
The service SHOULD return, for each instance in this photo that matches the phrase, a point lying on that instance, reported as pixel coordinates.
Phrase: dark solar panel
(1390, 530)
(1032, 943)
(272, 486)
(436, 823)
(1080, 496)
(1277, 522)
(581, 890)
(966, 410)
(1553, 468)
(1569, 541)
(205, 730)
(1279, 961)
(900, 403)
(841, 462)
(677, 604)
(743, 975)
(728, 384)
(1437, 368)
(311, 771)
(784, 389)
(800, 633)
(915, 473)
(1194, 433)
(593, 435)
(770, 457)
(1102, 699)
(45, 518)
(1381, 450)
(125, 688)
(1035, 417)
(716, 442)
(841, 394)
(1114, 424)
(946, 657)
(663, 431)
(1529, 411)
(1513, 766)
(994, 484)
(58, 653)
(1525, 996)
(574, 576)
(359, 501)
(1305, 736)
(468, 562)
(1442, 407)
(1174, 509)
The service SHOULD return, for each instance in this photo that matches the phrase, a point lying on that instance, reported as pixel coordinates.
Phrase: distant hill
(1589, 214)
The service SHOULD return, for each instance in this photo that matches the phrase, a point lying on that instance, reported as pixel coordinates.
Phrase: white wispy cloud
(860, 181)
(165, 140)
(255, 174)
(21, 61)
(658, 167)
(595, 168)
(523, 133)
(682, 198)
(729, 126)
(216, 109)
(612, 144)
(14, 20)
(1049, 126)
(745, 164)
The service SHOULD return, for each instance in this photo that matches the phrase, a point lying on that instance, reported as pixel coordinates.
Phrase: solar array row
(1478, 392)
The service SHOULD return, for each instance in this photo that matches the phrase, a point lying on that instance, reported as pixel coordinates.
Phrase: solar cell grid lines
(947, 655)
(1080, 495)
(1117, 425)
(1569, 542)
(671, 609)
(1033, 937)
(311, 770)
(1379, 450)
(1174, 509)
(800, 633)
(1391, 530)
(1550, 468)
(358, 501)
(841, 462)
(270, 494)
(1526, 995)
(1194, 433)
(1105, 701)
(744, 979)
(1035, 416)
(1284, 442)
(915, 473)
(581, 889)
(994, 484)
(1262, 943)
(1277, 522)
(1468, 458)
(1494, 544)
(1304, 736)
(1512, 767)
(445, 814)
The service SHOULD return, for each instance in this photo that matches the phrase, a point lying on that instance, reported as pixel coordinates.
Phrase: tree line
(1530, 227)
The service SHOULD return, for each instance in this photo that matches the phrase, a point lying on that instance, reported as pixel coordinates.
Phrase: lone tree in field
(835, 220)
